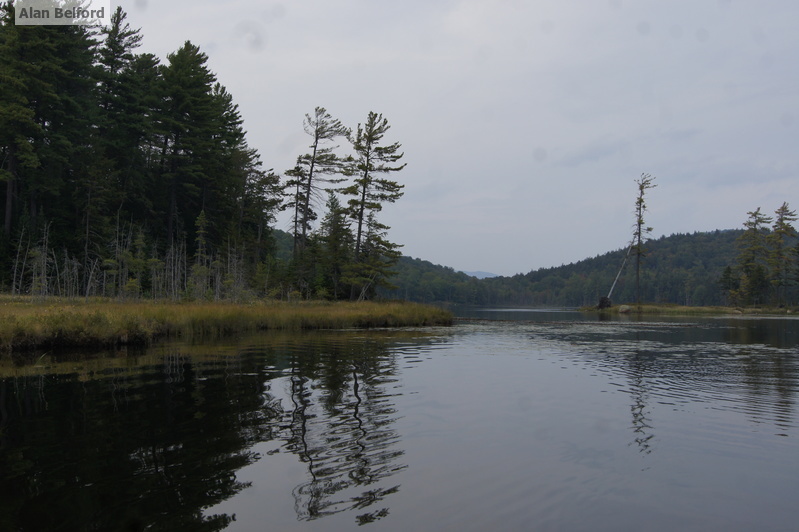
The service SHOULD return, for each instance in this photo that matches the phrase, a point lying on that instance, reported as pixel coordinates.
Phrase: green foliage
(369, 191)
(681, 269)
(108, 158)
(308, 181)
(373, 254)
(336, 240)
(766, 266)
(782, 258)
(125, 177)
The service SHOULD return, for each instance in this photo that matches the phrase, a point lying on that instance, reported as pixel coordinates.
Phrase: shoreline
(687, 310)
(27, 324)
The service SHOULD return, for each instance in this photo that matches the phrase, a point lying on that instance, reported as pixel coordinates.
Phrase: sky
(524, 123)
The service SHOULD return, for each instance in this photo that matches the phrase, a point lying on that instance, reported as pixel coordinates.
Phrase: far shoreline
(688, 310)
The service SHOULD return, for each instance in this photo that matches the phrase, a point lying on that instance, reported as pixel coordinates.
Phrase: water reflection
(641, 416)
(129, 451)
(681, 363)
(341, 427)
(155, 442)
(569, 422)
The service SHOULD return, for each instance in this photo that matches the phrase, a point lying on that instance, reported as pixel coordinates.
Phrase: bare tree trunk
(57, 289)
(16, 262)
(10, 186)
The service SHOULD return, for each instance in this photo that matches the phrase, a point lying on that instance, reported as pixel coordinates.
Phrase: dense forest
(125, 176)
(707, 268)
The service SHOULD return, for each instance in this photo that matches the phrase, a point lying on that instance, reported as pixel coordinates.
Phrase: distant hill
(481, 275)
(681, 268)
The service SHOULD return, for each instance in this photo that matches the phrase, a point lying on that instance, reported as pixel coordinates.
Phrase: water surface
(509, 420)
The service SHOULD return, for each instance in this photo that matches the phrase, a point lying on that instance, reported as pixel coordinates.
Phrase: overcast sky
(525, 123)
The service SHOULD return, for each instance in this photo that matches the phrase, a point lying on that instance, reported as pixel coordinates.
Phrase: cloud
(524, 123)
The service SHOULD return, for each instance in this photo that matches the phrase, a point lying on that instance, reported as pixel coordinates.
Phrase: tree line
(766, 270)
(125, 176)
(760, 265)
(681, 269)
(756, 265)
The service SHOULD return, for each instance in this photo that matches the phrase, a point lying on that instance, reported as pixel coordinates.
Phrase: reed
(30, 324)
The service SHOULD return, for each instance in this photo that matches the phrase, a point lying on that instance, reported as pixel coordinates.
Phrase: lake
(511, 419)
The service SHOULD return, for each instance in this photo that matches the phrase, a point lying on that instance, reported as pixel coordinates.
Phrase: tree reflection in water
(154, 441)
(131, 450)
(341, 428)
(748, 362)
(641, 424)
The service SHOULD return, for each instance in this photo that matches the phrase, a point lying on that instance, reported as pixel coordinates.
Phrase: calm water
(510, 420)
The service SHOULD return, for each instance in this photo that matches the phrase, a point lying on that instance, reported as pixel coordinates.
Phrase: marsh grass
(683, 310)
(30, 324)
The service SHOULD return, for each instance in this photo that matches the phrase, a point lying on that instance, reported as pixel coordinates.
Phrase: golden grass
(29, 324)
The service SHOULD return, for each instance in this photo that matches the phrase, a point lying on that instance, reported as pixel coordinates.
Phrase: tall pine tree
(781, 255)
(369, 192)
(752, 257)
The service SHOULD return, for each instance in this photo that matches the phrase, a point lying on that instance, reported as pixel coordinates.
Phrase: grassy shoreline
(27, 324)
(684, 310)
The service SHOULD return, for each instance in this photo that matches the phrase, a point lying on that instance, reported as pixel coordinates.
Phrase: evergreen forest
(124, 175)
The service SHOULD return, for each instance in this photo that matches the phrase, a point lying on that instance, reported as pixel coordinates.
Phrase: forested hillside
(683, 268)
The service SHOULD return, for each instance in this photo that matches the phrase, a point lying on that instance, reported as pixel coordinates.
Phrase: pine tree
(123, 127)
(752, 258)
(66, 150)
(372, 269)
(323, 129)
(294, 191)
(100, 191)
(336, 248)
(142, 117)
(189, 122)
(369, 191)
(18, 125)
(47, 111)
(781, 255)
(257, 201)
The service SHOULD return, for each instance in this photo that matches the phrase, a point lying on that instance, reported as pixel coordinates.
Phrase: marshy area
(27, 323)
